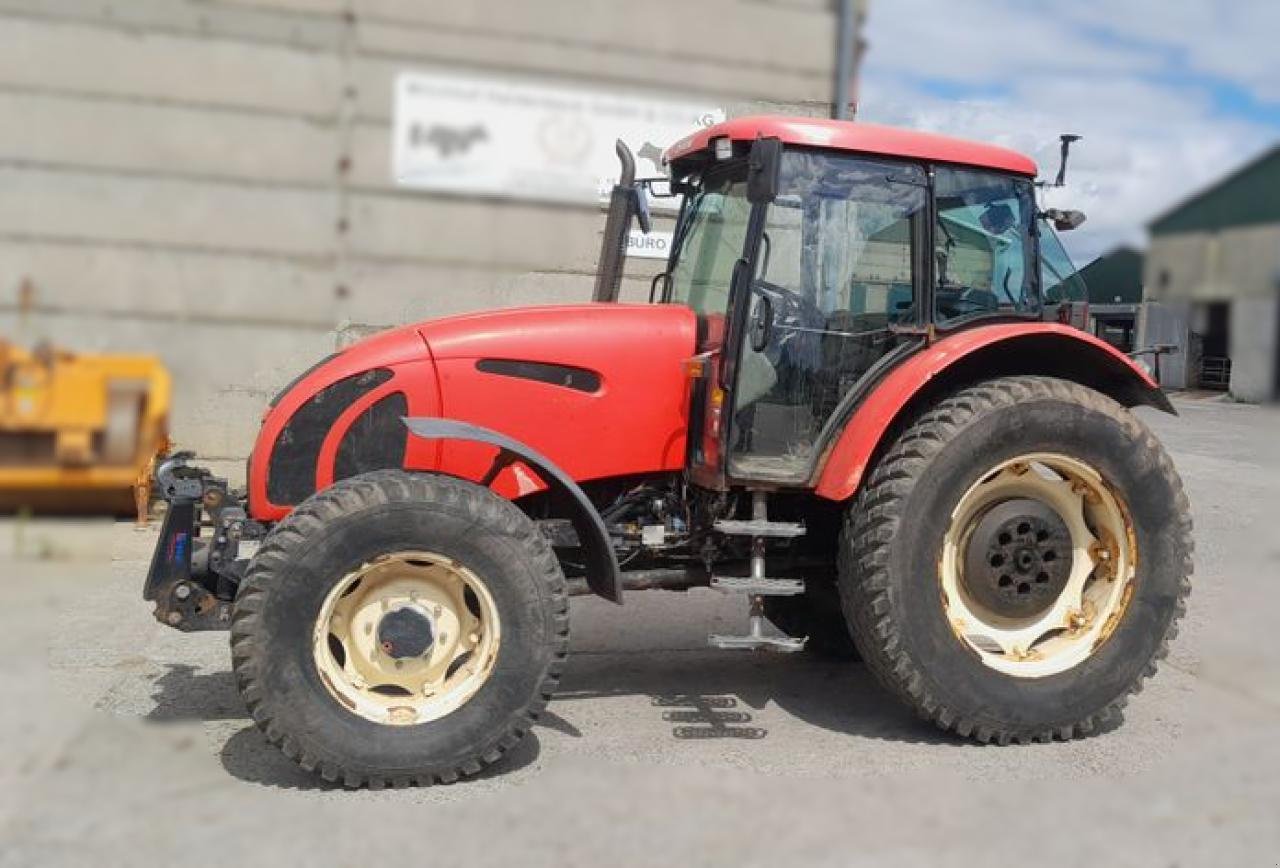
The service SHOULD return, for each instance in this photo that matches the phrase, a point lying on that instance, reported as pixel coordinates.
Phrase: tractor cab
(819, 254)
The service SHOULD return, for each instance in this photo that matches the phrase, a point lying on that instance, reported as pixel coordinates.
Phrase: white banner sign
(492, 137)
(655, 245)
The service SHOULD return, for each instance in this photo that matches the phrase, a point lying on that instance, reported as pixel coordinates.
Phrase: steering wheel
(790, 308)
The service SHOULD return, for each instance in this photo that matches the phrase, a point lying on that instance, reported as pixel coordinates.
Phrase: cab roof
(858, 137)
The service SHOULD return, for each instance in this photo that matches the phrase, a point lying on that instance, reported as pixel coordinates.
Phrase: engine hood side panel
(599, 389)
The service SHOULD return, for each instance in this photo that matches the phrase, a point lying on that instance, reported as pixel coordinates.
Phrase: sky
(1169, 95)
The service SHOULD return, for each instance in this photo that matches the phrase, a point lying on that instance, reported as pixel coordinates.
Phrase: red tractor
(848, 400)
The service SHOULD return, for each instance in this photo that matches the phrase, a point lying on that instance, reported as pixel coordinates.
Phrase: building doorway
(1213, 370)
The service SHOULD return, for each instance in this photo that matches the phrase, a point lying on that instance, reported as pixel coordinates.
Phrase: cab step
(758, 585)
(762, 587)
(776, 644)
(759, 527)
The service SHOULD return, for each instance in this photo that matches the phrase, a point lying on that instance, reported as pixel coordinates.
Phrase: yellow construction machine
(79, 433)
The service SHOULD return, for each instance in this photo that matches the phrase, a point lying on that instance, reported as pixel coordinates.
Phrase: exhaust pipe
(624, 202)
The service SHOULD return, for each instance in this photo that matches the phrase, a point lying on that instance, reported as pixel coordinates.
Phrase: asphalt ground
(126, 743)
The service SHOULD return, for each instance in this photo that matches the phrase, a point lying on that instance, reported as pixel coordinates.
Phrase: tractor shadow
(701, 694)
(185, 694)
(710, 695)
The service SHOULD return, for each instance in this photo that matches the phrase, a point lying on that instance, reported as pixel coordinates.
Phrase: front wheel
(400, 628)
(1018, 560)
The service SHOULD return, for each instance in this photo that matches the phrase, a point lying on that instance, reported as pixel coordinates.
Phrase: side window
(983, 253)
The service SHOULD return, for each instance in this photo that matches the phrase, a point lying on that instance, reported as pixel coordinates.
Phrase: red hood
(601, 389)
(581, 335)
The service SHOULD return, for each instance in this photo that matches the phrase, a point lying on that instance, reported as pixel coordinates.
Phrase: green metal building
(1212, 284)
(1114, 281)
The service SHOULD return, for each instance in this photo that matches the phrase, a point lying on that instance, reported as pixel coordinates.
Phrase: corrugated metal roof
(1249, 196)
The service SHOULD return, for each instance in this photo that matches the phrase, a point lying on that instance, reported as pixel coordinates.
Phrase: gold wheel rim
(1097, 589)
(406, 638)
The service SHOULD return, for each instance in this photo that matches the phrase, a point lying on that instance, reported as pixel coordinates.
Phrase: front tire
(1017, 561)
(400, 629)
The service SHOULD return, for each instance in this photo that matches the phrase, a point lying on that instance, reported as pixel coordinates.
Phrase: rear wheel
(400, 628)
(1017, 561)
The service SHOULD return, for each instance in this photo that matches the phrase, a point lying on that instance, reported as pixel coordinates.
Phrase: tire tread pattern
(289, 538)
(872, 522)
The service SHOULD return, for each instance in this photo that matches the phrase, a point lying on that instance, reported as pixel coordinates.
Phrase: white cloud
(1086, 68)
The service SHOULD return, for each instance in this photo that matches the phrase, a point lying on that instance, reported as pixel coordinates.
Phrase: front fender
(966, 357)
(603, 574)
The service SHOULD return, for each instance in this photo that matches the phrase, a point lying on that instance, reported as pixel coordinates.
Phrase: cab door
(712, 248)
(834, 292)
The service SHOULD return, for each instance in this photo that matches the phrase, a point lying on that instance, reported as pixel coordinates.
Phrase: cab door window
(984, 255)
(835, 274)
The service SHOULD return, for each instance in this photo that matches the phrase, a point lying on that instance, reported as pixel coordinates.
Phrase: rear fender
(603, 574)
(967, 357)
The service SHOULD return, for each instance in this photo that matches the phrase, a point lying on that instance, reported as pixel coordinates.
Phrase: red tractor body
(603, 390)
(849, 399)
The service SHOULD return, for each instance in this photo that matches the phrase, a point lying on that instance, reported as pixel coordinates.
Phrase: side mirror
(762, 324)
(640, 204)
(1064, 221)
(764, 167)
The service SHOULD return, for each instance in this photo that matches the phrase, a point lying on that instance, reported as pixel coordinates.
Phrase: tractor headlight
(723, 148)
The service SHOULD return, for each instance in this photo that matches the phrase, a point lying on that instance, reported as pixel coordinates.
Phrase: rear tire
(280, 622)
(899, 532)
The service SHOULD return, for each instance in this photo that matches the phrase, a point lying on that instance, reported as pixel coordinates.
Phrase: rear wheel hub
(1018, 558)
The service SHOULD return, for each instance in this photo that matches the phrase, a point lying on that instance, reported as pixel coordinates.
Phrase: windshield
(1059, 280)
(983, 248)
(712, 234)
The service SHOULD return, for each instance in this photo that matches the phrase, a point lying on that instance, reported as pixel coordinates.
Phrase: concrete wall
(1213, 266)
(209, 180)
(1254, 345)
(1166, 323)
(1240, 265)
